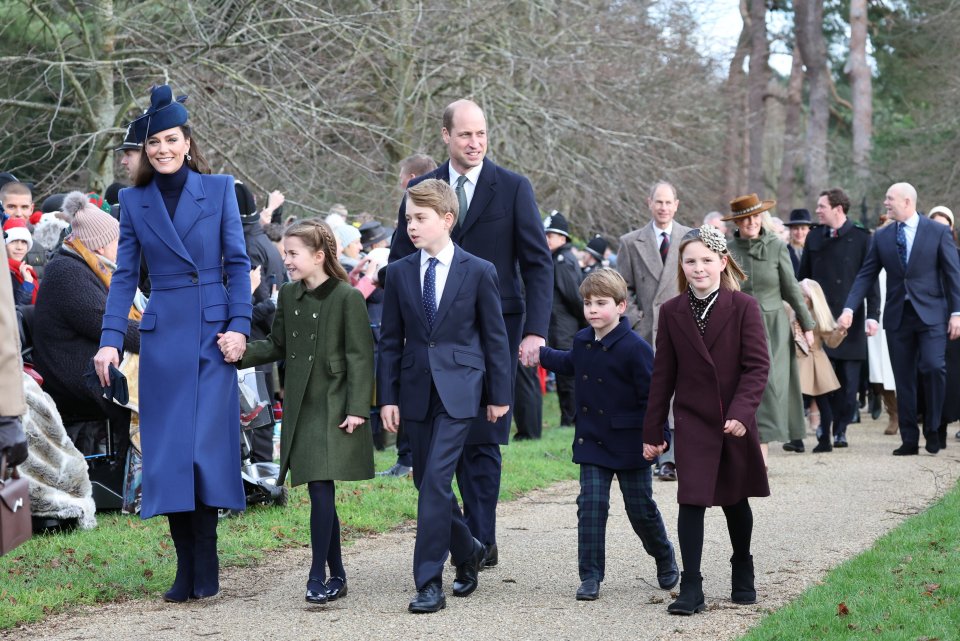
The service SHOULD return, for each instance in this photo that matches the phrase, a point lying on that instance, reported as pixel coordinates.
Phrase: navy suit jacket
(931, 278)
(612, 386)
(503, 227)
(466, 353)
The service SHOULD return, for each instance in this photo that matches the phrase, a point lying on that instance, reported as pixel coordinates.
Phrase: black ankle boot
(691, 598)
(182, 534)
(206, 572)
(743, 591)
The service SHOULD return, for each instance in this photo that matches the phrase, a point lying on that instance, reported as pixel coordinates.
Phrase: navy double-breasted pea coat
(189, 404)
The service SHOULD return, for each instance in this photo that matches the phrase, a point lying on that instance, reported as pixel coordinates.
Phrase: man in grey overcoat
(648, 262)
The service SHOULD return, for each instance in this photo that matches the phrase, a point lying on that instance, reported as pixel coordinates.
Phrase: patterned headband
(712, 238)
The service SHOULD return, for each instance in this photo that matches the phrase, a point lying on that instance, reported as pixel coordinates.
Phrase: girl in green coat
(323, 331)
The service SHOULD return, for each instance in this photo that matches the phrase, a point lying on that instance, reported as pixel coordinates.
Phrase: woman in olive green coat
(770, 279)
(322, 330)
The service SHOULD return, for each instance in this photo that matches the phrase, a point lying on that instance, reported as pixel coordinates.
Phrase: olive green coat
(770, 280)
(324, 335)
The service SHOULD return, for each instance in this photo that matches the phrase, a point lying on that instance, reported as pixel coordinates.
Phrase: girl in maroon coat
(712, 359)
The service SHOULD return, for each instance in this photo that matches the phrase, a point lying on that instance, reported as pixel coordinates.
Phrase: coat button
(600, 412)
(310, 358)
(296, 333)
(315, 314)
(432, 344)
(588, 345)
(313, 337)
(296, 312)
(600, 380)
(604, 348)
(293, 355)
(583, 409)
(579, 441)
(599, 442)
(194, 280)
(426, 371)
(585, 377)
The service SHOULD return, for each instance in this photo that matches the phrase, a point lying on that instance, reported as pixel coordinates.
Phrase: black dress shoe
(668, 574)
(467, 572)
(667, 472)
(316, 597)
(933, 443)
(491, 557)
(796, 445)
(429, 599)
(823, 446)
(589, 590)
(336, 588)
(906, 450)
(840, 440)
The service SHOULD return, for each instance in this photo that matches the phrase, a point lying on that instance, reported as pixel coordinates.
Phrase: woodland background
(593, 100)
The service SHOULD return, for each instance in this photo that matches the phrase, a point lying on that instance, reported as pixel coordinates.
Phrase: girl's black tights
(690, 531)
(324, 533)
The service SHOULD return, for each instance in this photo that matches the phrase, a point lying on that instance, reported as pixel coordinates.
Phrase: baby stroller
(259, 479)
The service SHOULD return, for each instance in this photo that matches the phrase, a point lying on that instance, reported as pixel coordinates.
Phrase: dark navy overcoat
(189, 405)
(612, 385)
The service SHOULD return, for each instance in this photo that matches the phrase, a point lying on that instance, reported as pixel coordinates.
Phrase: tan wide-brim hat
(748, 205)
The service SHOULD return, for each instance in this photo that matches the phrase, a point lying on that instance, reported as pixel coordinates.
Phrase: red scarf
(15, 270)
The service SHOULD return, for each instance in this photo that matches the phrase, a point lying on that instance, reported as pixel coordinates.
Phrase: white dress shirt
(445, 257)
(468, 187)
(910, 231)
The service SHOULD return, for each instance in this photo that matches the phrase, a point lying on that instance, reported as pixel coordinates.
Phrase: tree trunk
(813, 47)
(861, 85)
(792, 144)
(756, 91)
(735, 149)
(102, 40)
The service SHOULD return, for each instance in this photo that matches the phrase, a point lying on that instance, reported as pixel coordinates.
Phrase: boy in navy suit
(611, 366)
(443, 351)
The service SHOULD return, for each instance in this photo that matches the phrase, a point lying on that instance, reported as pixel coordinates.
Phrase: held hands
(530, 350)
(845, 320)
(351, 423)
(651, 452)
(734, 427)
(106, 357)
(494, 412)
(233, 345)
(390, 417)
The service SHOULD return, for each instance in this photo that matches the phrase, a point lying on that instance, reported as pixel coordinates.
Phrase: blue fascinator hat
(164, 113)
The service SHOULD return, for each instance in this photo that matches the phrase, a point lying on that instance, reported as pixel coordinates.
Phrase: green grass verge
(907, 586)
(126, 558)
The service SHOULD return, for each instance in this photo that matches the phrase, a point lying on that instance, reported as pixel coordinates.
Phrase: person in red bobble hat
(24, 279)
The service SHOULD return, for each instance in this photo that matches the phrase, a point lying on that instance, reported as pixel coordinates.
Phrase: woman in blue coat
(187, 227)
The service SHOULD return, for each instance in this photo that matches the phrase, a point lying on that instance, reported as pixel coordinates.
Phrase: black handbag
(16, 526)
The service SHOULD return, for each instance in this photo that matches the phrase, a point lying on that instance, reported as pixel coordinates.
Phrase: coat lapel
(189, 208)
(482, 195)
(720, 315)
(156, 216)
(649, 250)
(688, 327)
(455, 277)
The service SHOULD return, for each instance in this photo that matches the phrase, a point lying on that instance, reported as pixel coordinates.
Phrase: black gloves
(13, 440)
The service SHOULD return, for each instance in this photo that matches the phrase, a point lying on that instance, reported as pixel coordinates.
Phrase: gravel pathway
(824, 509)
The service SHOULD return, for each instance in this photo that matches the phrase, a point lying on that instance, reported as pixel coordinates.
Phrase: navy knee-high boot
(206, 572)
(181, 531)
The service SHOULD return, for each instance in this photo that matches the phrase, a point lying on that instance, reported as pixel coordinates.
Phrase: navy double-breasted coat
(200, 275)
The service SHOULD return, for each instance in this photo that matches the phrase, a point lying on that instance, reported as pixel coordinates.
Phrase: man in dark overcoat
(832, 255)
(501, 225)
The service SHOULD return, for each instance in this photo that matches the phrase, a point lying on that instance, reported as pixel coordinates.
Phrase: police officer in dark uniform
(566, 316)
(594, 254)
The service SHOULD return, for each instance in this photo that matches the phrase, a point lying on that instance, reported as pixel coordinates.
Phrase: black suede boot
(743, 591)
(690, 600)
(181, 531)
(206, 576)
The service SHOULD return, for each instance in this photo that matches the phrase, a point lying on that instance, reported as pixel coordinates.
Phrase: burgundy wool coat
(712, 378)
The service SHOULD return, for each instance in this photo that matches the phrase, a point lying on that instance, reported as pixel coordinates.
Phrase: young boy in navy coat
(612, 366)
(443, 351)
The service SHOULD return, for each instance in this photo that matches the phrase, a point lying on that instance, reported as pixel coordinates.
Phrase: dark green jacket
(324, 335)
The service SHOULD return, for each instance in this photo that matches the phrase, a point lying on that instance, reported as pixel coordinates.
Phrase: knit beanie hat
(16, 229)
(91, 225)
(347, 234)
